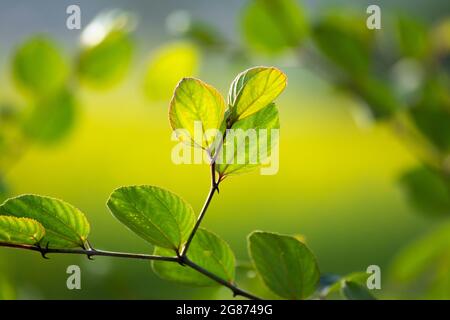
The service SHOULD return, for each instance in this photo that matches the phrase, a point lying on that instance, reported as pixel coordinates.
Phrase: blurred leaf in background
(343, 38)
(412, 37)
(39, 67)
(51, 118)
(180, 23)
(107, 49)
(428, 191)
(423, 266)
(167, 65)
(272, 26)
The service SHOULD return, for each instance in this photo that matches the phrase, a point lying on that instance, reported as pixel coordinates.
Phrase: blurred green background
(337, 184)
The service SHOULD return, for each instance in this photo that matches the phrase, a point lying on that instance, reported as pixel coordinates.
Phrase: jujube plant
(184, 251)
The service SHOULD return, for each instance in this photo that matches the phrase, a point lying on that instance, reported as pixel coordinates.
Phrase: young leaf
(286, 265)
(428, 191)
(195, 101)
(208, 251)
(65, 226)
(168, 65)
(253, 90)
(20, 230)
(155, 214)
(39, 67)
(228, 162)
(272, 26)
(108, 49)
(51, 118)
(354, 291)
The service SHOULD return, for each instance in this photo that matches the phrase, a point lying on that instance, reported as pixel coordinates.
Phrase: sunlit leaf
(208, 251)
(20, 230)
(108, 48)
(346, 41)
(167, 66)
(286, 265)
(196, 107)
(354, 291)
(427, 190)
(272, 26)
(247, 144)
(65, 226)
(156, 215)
(38, 66)
(50, 118)
(254, 89)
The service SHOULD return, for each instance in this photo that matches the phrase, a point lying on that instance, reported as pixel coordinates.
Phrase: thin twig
(236, 290)
(212, 190)
(94, 252)
(90, 252)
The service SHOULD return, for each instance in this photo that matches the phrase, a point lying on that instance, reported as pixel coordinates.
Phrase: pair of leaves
(165, 220)
(65, 226)
(198, 111)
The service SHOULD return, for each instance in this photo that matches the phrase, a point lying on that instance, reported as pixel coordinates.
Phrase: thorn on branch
(43, 251)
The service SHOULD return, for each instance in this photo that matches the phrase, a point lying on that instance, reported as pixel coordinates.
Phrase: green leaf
(412, 37)
(355, 277)
(228, 163)
(65, 226)
(208, 251)
(379, 97)
(196, 102)
(345, 40)
(434, 124)
(253, 90)
(354, 291)
(272, 26)
(427, 190)
(167, 66)
(155, 214)
(39, 67)
(108, 48)
(423, 257)
(286, 265)
(50, 118)
(20, 230)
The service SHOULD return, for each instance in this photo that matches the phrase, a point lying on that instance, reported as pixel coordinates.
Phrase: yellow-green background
(337, 183)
